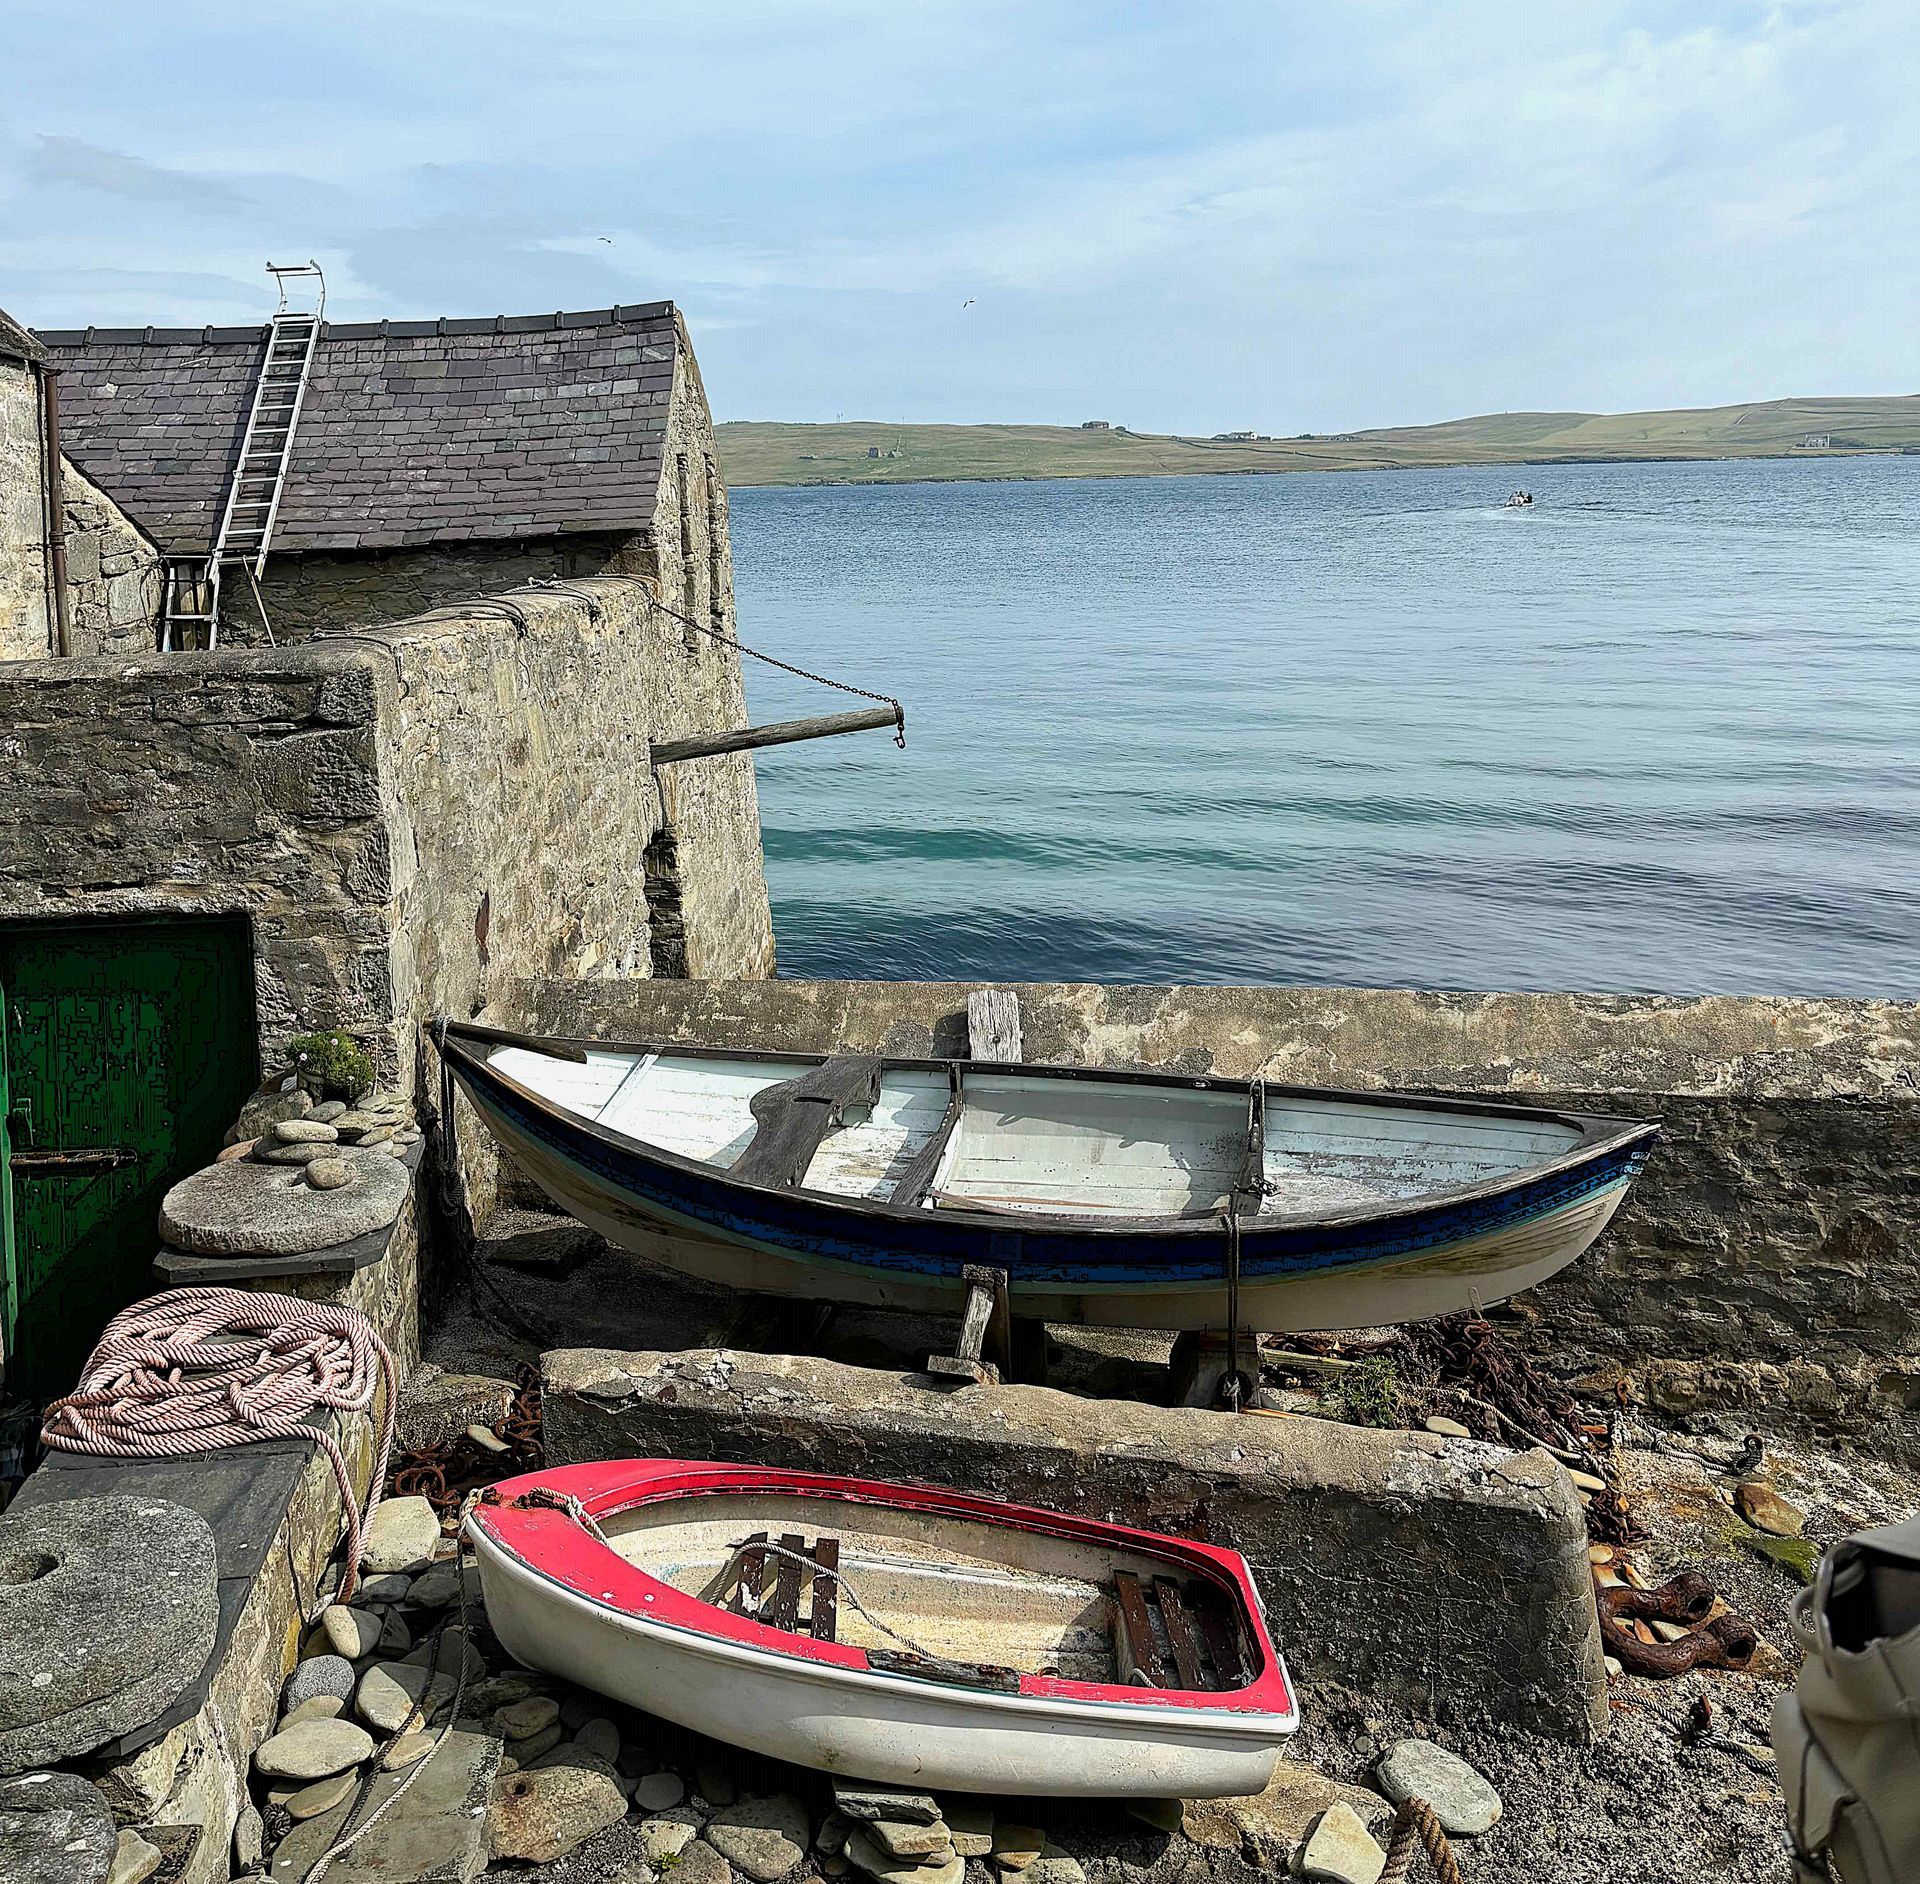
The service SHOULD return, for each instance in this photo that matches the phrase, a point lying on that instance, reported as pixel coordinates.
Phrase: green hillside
(753, 452)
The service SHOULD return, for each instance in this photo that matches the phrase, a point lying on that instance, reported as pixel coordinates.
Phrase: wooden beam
(993, 1024)
(781, 733)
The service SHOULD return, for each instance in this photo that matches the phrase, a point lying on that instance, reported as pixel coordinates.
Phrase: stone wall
(25, 600)
(406, 816)
(1768, 1258)
(115, 577)
(370, 588)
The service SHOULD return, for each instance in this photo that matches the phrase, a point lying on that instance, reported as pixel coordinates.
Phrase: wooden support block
(993, 1024)
(986, 1302)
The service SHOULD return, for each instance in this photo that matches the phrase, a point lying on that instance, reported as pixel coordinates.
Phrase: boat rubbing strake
(899, 1633)
(1126, 1199)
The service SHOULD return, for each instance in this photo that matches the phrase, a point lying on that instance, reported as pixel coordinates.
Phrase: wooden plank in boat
(1138, 1653)
(741, 1591)
(785, 1613)
(826, 1590)
(1222, 1639)
(1179, 1627)
(939, 1668)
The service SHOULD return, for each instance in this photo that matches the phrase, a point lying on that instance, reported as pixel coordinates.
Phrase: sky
(1178, 217)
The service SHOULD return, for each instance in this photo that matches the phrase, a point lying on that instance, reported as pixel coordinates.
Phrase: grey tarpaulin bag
(1848, 1736)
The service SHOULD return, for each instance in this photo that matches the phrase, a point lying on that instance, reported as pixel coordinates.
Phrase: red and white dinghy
(897, 1633)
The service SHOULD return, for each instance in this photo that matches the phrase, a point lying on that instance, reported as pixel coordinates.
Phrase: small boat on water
(898, 1633)
(1134, 1200)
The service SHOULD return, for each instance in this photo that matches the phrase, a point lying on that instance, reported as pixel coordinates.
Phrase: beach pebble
(1462, 1800)
(322, 1796)
(664, 1838)
(533, 1749)
(350, 1632)
(307, 1131)
(396, 1695)
(486, 1439)
(926, 1844)
(134, 1860)
(1766, 1510)
(1586, 1481)
(869, 1855)
(249, 1837)
(265, 1153)
(971, 1827)
(407, 1750)
(329, 1174)
(386, 1587)
(325, 1673)
(701, 1864)
(321, 1707)
(1341, 1850)
(314, 1749)
(1447, 1429)
(327, 1111)
(659, 1792)
(600, 1737)
(1015, 1847)
(1054, 1866)
(401, 1536)
(542, 1814)
(764, 1838)
(521, 1720)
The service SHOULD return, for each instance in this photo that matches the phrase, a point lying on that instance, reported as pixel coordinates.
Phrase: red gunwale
(549, 1542)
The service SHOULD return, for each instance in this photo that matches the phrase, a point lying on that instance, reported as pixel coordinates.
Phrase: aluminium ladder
(259, 479)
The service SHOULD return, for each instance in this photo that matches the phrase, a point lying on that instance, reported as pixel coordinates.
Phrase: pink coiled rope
(196, 1370)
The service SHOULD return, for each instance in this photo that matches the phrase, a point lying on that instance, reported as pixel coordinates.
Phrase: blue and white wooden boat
(1123, 1199)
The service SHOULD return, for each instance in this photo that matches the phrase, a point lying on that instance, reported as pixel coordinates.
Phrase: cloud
(72, 160)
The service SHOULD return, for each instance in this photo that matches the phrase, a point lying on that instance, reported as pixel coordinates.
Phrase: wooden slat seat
(1167, 1636)
(767, 1585)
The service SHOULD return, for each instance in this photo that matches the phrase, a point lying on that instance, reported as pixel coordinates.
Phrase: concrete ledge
(1768, 1257)
(1446, 1574)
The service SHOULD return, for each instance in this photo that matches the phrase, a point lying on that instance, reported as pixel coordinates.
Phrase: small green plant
(1367, 1393)
(334, 1064)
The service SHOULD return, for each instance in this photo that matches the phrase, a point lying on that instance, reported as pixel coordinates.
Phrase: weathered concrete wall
(1452, 1576)
(115, 577)
(1768, 1257)
(374, 587)
(25, 602)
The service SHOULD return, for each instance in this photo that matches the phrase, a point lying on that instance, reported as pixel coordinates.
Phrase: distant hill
(753, 452)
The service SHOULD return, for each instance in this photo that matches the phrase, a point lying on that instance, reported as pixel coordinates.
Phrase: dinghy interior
(1035, 1142)
(969, 1596)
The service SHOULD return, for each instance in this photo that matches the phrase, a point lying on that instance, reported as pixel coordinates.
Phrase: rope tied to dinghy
(846, 1589)
(202, 1369)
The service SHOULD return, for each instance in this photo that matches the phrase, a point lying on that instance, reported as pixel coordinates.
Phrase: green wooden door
(128, 1050)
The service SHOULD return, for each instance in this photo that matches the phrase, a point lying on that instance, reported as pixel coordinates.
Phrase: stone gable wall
(115, 577)
(25, 624)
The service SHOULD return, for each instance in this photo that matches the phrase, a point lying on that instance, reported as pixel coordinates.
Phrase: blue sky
(1180, 217)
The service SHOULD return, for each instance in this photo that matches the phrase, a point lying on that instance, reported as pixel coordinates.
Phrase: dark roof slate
(412, 431)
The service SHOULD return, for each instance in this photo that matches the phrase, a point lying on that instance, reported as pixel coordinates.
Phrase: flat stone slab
(55, 1829)
(437, 1834)
(244, 1209)
(108, 1608)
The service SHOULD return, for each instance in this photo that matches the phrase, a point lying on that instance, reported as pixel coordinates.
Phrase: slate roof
(413, 432)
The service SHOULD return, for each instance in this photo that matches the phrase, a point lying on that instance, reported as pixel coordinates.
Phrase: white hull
(868, 1726)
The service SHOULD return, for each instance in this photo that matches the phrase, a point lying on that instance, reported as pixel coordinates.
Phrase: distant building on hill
(1234, 438)
(1095, 425)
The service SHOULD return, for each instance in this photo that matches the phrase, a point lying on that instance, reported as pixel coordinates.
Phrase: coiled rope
(197, 1370)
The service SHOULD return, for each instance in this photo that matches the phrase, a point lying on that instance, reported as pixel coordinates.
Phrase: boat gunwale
(1600, 1134)
(1268, 1699)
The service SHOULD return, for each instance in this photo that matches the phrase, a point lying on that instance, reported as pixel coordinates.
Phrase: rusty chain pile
(447, 1473)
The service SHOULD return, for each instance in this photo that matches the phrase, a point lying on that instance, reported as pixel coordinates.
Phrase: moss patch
(1798, 1556)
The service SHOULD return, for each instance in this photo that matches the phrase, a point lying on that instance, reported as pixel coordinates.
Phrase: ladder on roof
(259, 481)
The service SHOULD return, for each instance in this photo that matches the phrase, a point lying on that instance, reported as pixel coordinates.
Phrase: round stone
(329, 1174)
(599, 1737)
(350, 1632)
(542, 1815)
(765, 1838)
(402, 1535)
(393, 1695)
(271, 1151)
(408, 1750)
(314, 1749)
(255, 1209)
(1463, 1801)
(521, 1720)
(659, 1792)
(107, 1610)
(321, 1707)
(305, 1132)
(55, 1829)
(318, 1675)
(327, 1111)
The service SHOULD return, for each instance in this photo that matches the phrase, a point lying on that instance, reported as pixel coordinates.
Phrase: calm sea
(1656, 733)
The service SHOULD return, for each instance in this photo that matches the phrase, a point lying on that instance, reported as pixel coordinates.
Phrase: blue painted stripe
(936, 1245)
